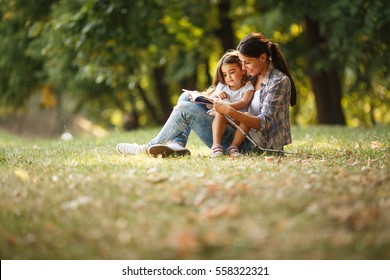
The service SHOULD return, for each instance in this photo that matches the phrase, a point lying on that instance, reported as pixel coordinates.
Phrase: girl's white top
(234, 95)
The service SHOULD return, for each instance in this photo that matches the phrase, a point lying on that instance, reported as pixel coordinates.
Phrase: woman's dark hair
(255, 44)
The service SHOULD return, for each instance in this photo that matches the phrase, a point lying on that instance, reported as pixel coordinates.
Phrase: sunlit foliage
(111, 58)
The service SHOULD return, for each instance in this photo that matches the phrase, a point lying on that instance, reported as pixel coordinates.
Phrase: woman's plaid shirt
(273, 101)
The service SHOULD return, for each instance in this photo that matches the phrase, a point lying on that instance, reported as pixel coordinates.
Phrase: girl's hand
(222, 95)
(222, 107)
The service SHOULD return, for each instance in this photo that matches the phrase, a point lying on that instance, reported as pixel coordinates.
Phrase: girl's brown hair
(255, 44)
(230, 57)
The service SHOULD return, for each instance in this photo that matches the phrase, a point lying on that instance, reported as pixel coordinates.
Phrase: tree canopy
(117, 59)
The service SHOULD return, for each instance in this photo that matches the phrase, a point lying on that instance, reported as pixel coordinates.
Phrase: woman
(268, 120)
(268, 114)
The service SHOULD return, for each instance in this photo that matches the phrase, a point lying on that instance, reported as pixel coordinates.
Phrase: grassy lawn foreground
(80, 200)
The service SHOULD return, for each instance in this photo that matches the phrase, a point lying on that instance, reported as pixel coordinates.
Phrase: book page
(197, 97)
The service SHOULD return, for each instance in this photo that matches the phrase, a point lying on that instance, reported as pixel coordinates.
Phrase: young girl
(229, 83)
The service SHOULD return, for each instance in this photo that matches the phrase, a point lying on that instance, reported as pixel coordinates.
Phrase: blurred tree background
(123, 63)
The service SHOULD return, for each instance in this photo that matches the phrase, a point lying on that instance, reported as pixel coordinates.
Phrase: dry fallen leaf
(199, 198)
(376, 145)
(185, 242)
(73, 204)
(270, 158)
(156, 178)
(22, 175)
(352, 162)
(340, 214)
(356, 146)
(211, 237)
(212, 188)
(176, 196)
(230, 210)
(363, 218)
(242, 187)
(11, 239)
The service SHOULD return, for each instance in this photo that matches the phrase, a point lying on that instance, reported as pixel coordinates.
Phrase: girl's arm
(244, 101)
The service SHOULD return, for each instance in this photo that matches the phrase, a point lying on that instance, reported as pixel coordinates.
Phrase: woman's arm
(276, 102)
(249, 120)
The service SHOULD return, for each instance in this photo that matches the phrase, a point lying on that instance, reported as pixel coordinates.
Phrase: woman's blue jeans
(187, 116)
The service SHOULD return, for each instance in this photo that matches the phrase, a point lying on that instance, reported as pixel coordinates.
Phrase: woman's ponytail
(281, 64)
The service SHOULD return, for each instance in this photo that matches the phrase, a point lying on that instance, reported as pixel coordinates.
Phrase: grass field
(80, 200)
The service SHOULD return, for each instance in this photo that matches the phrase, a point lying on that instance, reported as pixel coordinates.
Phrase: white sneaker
(234, 152)
(132, 149)
(170, 149)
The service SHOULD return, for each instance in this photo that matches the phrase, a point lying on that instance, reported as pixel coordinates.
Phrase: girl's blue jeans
(187, 116)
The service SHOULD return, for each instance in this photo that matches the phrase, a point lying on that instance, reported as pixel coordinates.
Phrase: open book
(197, 97)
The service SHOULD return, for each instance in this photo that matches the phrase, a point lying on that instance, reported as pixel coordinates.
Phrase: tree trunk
(149, 105)
(189, 82)
(326, 82)
(131, 119)
(163, 97)
(225, 33)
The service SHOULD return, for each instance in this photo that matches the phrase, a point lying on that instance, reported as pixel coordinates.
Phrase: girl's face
(253, 65)
(232, 75)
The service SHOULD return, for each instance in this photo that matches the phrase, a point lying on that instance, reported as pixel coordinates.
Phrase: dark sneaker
(170, 149)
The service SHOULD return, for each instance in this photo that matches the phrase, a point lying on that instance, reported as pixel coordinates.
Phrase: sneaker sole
(165, 151)
(216, 155)
(236, 156)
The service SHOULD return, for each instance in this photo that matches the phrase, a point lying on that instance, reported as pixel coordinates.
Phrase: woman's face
(253, 65)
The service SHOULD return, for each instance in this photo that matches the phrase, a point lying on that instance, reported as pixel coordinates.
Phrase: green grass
(80, 200)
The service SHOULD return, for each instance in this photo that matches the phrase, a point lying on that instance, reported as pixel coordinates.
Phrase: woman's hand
(222, 107)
